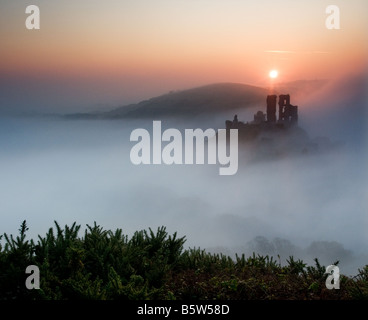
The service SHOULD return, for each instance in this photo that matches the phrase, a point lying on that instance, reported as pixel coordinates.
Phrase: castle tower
(287, 112)
(271, 108)
(284, 101)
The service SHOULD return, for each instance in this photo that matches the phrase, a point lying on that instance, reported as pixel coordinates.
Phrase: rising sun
(273, 74)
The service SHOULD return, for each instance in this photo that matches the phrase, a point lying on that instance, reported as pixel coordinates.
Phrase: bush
(107, 265)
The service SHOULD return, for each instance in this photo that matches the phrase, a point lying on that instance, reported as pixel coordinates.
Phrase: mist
(339, 110)
(309, 206)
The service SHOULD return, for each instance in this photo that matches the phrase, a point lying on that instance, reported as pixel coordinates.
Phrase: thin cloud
(296, 52)
(279, 51)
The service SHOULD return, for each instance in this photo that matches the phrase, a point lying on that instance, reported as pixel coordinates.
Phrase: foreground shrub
(107, 265)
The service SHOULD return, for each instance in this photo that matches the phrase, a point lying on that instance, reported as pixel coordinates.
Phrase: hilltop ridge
(203, 100)
(193, 102)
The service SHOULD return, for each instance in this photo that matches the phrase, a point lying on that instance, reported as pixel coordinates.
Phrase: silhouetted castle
(288, 117)
(270, 137)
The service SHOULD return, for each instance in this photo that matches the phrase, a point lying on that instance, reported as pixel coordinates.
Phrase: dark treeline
(107, 265)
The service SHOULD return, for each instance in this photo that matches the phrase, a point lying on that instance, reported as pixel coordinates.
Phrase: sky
(91, 54)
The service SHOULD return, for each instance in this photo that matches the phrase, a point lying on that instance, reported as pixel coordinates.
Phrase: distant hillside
(205, 100)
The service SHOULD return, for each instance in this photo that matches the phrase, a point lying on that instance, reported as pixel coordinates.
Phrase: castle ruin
(287, 117)
(287, 112)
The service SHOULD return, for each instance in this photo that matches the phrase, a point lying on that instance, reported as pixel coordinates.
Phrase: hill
(214, 98)
(204, 100)
(193, 102)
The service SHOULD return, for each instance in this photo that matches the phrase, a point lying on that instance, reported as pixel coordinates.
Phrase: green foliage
(107, 265)
(101, 265)
(359, 288)
(15, 256)
(295, 267)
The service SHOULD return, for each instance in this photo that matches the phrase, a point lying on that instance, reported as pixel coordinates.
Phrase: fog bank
(81, 171)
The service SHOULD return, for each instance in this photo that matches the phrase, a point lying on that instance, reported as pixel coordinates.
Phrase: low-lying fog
(307, 206)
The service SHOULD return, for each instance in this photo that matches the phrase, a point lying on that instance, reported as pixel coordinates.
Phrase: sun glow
(273, 74)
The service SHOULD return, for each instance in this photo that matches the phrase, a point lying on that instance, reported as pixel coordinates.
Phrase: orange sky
(130, 50)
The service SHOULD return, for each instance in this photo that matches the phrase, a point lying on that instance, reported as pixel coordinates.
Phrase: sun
(273, 74)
